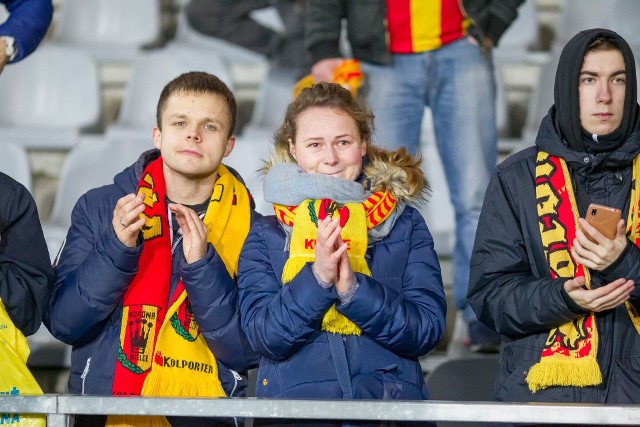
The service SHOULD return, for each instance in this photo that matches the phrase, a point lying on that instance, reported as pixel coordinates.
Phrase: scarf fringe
(293, 265)
(337, 323)
(333, 321)
(131, 421)
(557, 370)
(158, 383)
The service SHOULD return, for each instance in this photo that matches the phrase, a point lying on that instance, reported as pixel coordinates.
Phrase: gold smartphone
(604, 219)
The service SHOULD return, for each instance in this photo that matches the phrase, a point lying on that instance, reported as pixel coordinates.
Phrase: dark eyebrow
(594, 74)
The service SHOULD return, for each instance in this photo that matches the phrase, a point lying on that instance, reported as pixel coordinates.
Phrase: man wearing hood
(145, 286)
(567, 307)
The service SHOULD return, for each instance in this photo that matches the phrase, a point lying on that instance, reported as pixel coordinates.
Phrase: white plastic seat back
(112, 29)
(274, 95)
(92, 163)
(578, 15)
(523, 33)
(54, 90)
(151, 71)
(623, 19)
(14, 161)
(540, 101)
(247, 157)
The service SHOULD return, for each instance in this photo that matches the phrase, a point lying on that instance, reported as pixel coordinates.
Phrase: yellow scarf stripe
(633, 230)
(228, 218)
(189, 364)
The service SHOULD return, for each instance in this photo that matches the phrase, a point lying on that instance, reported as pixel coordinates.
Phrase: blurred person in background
(232, 20)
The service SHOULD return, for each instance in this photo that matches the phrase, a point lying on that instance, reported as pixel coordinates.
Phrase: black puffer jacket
(26, 277)
(511, 288)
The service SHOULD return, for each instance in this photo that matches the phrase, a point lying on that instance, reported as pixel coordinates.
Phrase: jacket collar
(549, 141)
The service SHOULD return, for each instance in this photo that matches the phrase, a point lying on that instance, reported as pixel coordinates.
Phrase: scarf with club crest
(161, 351)
(356, 219)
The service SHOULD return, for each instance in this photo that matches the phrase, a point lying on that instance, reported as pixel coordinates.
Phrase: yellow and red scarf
(161, 351)
(355, 219)
(569, 355)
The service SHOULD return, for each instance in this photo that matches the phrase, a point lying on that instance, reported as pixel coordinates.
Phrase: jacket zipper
(84, 373)
(236, 378)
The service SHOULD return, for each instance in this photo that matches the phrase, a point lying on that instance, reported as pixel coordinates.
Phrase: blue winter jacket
(92, 274)
(28, 23)
(400, 309)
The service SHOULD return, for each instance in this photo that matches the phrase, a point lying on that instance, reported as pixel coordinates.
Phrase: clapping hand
(194, 232)
(126, 220)
(332, 262)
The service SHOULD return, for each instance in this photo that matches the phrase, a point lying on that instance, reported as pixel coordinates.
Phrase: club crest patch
(137, 332)
(184, 322)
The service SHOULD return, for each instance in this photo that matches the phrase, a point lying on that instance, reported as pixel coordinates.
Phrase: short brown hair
(198, 82)
(603, 43)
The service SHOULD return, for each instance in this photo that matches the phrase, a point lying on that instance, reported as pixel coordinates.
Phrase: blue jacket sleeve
(26, 277)
(277, 319)
(410, 322)
(92, 274)
(28, 23)
(214, 301)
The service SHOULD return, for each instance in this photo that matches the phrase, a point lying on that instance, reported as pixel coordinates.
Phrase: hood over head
(566, 95)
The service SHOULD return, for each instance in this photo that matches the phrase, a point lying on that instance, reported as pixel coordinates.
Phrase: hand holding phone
(604, 219)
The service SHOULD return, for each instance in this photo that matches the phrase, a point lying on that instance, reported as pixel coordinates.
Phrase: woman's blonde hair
(334, 96)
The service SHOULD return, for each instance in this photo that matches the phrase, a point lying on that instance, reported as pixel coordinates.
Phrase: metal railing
(59, 408)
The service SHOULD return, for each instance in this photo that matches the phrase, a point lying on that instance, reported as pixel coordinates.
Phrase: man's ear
(157, 138)
(231, 142)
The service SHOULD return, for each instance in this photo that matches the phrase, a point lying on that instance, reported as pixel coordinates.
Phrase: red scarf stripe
(370, 202)
(146, 310)
(564, 217)
(386, 202)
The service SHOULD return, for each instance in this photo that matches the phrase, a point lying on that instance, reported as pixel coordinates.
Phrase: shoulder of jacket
(519, 159)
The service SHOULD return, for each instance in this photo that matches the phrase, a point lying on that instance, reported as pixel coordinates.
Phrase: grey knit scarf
(287, 184)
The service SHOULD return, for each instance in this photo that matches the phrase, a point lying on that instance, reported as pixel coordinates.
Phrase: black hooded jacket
(511, 288)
